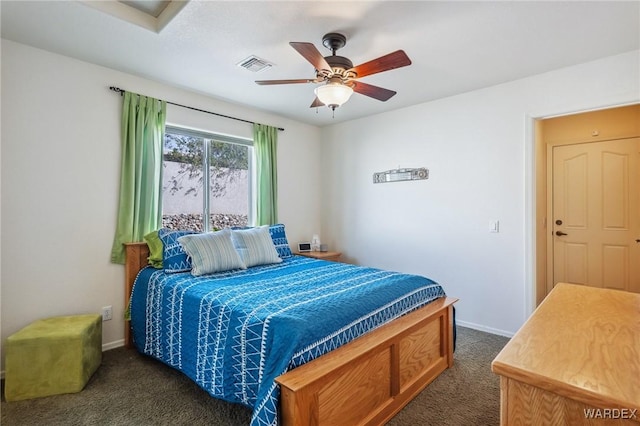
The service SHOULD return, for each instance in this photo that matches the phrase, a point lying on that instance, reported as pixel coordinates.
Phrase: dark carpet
(131, 389)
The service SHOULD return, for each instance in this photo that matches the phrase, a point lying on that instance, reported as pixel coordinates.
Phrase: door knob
(638, 241)
(560, 233)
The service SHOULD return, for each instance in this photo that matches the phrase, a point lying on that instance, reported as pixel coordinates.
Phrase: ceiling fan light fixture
(341, 78)
(333, 94)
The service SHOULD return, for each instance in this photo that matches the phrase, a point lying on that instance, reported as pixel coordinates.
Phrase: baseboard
(484, 328)
(112, 345)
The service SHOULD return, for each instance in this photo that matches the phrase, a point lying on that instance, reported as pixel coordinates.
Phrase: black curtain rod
(121, 91)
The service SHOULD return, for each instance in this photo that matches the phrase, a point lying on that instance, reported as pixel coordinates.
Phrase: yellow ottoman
(52, 356)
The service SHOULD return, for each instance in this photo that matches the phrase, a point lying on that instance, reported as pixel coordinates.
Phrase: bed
(244, 336)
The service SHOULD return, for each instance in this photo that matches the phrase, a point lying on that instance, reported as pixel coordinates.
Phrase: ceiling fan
(338, 74)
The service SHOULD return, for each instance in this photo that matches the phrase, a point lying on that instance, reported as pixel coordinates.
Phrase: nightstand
(333, 256)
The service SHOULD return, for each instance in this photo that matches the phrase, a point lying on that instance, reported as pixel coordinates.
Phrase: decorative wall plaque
(398, 175)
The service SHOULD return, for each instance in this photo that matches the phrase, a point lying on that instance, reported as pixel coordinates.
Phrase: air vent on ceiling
(255, 64)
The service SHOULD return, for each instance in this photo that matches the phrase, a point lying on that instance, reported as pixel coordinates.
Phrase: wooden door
(596, 214)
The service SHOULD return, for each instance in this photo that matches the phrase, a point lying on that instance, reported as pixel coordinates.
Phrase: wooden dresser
(576, 361)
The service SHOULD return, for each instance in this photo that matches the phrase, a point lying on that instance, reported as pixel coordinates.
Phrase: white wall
(479, 150)
(60, 177)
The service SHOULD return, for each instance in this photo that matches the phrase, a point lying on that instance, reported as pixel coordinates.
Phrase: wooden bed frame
(366, 381)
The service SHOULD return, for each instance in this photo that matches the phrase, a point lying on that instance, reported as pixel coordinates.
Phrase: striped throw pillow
(255, 246)
(211, 252)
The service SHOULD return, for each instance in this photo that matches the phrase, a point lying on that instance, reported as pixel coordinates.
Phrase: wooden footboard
(366, 381)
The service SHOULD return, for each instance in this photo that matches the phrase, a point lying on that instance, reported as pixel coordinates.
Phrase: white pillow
(211, 252)
(255, 246)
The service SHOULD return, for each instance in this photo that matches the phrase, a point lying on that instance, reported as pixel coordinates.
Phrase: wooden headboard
(136, 255)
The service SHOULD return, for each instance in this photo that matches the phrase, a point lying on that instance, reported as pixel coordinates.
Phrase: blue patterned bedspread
(233, 333)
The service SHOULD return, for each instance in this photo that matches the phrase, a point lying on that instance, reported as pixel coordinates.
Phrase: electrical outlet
(107, 313)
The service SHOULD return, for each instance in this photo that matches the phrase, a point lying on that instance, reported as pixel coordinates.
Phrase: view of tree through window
(190, 195)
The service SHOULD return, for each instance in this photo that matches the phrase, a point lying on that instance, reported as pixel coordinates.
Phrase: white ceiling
(454, 46)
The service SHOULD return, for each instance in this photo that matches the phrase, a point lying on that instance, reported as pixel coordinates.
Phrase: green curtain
(140, 205)
(265, 143)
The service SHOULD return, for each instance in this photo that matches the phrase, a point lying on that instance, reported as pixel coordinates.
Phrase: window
(207, 181)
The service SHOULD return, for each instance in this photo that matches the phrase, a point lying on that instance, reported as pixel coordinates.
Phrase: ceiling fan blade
(269, 82)
(388, 62)
(316, 103)
(311, 54)
(372, 91)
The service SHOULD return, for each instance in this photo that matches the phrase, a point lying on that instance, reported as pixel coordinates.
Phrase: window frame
(207, 138)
